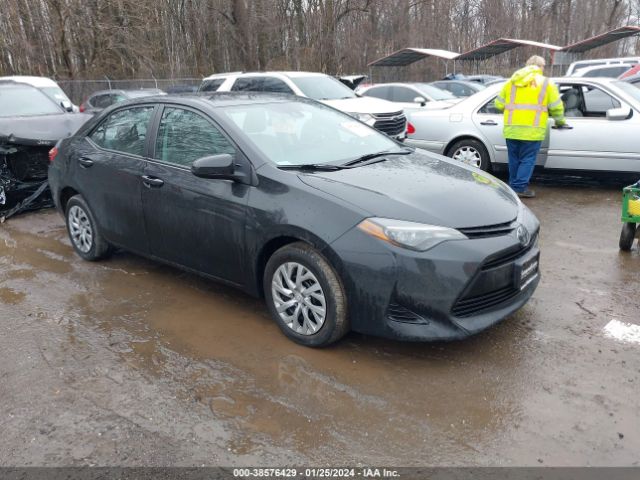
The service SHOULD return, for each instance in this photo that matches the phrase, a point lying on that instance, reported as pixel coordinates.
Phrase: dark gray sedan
(337, 226)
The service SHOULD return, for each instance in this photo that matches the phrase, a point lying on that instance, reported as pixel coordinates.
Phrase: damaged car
(30, 126)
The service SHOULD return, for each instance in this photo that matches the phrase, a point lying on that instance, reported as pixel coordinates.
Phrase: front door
(109, 167)
(594, 143)
(194, 222)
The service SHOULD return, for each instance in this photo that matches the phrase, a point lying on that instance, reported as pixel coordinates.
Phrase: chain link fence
(79, 90)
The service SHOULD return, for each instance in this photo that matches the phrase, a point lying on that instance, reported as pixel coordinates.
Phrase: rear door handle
(150, 182)
(85, 162)
(490, 123)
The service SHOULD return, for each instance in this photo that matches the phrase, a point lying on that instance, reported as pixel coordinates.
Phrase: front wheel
(470, 152)
(305, 296)
(627, 235)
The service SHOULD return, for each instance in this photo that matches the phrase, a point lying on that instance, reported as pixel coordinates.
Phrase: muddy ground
(128, 362)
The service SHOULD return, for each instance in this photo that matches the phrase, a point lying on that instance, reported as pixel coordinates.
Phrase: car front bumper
(452, 291)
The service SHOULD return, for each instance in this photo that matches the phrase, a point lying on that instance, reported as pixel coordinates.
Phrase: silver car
(604, 114)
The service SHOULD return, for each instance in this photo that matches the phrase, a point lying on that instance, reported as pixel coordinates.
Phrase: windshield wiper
(312, 167)
(371, 156)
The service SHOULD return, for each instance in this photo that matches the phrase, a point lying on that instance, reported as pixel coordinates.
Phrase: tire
(627, 236)
(299, 321)
(83, 231)
(470, 152)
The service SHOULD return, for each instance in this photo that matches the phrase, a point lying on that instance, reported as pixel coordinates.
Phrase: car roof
(31, 80)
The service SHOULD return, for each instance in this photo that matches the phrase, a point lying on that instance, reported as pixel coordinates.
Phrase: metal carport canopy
(407, 56)
(502, 45)
(602, 39)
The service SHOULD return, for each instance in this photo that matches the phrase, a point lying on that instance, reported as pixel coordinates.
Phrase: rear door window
(124, 130)
(378, 92)
(212, 85)
(490, 108)
(247, 84)
(403, 94)
(271, 84)
(101, 101)
(185, 136)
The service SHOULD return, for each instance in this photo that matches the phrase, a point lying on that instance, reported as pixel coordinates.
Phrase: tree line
(84, 39)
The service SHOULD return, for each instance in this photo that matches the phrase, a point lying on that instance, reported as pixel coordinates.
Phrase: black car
(30, 124)
(338, 227)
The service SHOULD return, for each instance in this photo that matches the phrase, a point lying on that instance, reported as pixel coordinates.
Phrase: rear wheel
(627, 236)
(305, 296)
(85, 237)
(470, 152)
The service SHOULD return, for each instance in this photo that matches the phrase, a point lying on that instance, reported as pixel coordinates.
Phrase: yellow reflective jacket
(527, 99)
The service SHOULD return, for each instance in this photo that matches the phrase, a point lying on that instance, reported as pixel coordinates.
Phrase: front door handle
(490, 123)
(85, 162)
(150, 182)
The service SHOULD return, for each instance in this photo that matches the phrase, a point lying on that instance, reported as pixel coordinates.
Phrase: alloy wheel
(298, 298)
(469, 156)
(80, 229)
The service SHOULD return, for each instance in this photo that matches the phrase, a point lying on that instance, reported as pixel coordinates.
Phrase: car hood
(423, 188)
(363, 105)
(41, 130)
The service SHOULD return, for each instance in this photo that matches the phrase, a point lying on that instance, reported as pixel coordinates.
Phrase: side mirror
(421, 100)
(66, 105)
(215, 166)
(621, 113)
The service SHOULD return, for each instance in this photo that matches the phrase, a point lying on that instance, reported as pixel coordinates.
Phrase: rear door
(594, 143)
(108, 172)
(194, 222)
(490, 123)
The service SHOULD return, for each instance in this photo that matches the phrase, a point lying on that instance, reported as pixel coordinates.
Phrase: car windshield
(25, 100)
(629, 89)
(322, 87)
(56, 94)
(434, 92)
(299, 133)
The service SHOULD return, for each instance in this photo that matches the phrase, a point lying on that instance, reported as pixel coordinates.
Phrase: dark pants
(522, 159)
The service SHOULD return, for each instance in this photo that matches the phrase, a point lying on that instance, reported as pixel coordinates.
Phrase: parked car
(361, 234)
(411, 95)
(459, 88)
(47, 86)
(604, 114)
(382, 115)
(603, 71)
(30, 124)
(600, 62)
(102, 99)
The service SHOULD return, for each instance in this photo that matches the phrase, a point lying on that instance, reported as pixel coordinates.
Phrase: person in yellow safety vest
(527, 99)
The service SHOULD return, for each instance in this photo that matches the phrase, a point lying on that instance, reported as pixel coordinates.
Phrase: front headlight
(364, 117)
(414, 236)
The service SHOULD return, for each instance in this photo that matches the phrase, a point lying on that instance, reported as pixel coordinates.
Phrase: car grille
(469, 306)
(510, 255)
(390, 123)
(496, 271)
(490, 231)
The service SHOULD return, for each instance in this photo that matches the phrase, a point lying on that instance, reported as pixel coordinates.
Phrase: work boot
(527, 194)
